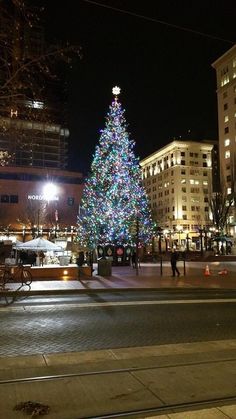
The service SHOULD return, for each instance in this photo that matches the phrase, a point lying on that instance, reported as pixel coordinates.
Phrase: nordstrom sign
(42, 198)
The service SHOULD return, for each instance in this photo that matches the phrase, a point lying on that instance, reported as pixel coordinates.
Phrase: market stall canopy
(38, 245)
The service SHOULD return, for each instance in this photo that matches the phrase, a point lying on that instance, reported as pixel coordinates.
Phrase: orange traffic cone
(207, 271)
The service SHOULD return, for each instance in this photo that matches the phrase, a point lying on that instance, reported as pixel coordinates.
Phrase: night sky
(165, 74)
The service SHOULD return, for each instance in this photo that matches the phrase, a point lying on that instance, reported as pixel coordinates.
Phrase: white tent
(38, 245)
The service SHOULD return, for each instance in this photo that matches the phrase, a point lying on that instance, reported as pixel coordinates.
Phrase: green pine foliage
(114, 197)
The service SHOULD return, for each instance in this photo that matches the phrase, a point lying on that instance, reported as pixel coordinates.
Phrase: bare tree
(220, 205)
(27, 64)
(34, 216)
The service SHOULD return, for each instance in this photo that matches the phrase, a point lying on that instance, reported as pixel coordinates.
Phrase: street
(102, 321)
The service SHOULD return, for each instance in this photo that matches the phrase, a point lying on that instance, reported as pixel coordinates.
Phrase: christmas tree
(114, 201)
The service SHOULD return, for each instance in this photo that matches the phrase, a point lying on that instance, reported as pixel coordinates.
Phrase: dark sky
(168, 84)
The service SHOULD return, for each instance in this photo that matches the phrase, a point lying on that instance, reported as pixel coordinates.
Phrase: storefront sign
(42, 198)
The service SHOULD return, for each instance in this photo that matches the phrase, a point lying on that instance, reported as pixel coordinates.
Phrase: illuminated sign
(42, 198)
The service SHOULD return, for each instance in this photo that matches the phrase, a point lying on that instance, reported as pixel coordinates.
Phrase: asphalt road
(103, 321)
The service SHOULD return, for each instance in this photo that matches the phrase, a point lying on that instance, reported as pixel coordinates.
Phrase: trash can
(104, 267)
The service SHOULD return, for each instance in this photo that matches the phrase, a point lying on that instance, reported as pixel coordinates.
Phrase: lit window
(191, 181)
(205, 182)
(226, 118)
(224, 80)
(229, 190)
(227, 142)
(227, 154)
(234, 62)
(183, 180)
(234, 74)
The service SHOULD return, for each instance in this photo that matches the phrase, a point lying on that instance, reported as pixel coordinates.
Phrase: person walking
(173, 260)
(133, 259)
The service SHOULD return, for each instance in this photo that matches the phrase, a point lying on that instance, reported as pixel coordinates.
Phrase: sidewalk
(164, 380)
(148, 277)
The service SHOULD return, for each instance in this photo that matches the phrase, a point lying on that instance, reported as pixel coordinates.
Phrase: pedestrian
(41, 257)
(173, 260)
(134, 259)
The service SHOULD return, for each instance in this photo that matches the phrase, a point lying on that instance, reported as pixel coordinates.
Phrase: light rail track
(176, 408)
(139, 413)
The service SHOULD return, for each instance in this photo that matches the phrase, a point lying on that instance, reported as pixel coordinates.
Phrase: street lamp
(179, 228)
(201, 242)
(187, 240)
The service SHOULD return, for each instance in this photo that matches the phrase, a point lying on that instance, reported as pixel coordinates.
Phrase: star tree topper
(116, 90)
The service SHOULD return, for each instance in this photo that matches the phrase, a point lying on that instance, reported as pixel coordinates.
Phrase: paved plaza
(97, 383)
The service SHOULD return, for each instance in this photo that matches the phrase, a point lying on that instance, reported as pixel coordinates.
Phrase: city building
(36, 201)
(37, 195)
(178, 181)
(225, 67)
(32, 113)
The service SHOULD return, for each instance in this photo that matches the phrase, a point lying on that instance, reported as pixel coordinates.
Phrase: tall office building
(225, 67)
(32, 125)
(178, 181)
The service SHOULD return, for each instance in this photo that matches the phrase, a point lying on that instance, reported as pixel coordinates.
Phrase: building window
(184, 190)
(70, 201)
(224, 80)
(182, 153)
(227, 154)
(184, 208)
(225, 95)
(225, 106)
(206, 209)
(226, 130)
(227, 142)
(228, 178)
(229, 190)
(204, 156)
(182, 162)
(226, 118)
(184, 216)
(183, 180)
(14, 199)
(4, 199)
(183, 172)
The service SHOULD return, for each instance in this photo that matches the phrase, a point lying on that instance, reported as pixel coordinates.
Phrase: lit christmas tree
(114, 201)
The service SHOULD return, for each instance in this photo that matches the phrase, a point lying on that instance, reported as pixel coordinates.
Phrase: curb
(106, 290)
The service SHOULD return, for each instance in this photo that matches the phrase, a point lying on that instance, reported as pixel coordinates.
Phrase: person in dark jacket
(173, 260)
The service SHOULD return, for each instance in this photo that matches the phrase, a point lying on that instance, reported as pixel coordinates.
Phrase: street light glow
(49, 191)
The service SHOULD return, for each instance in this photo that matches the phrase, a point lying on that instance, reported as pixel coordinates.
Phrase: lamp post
(38, 222)
(179, 228)
(201, 242)
(187, 241)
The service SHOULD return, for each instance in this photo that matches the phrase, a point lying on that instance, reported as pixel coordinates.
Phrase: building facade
(32, 113)
(225, 67)
(36, 200)
(178, 181)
